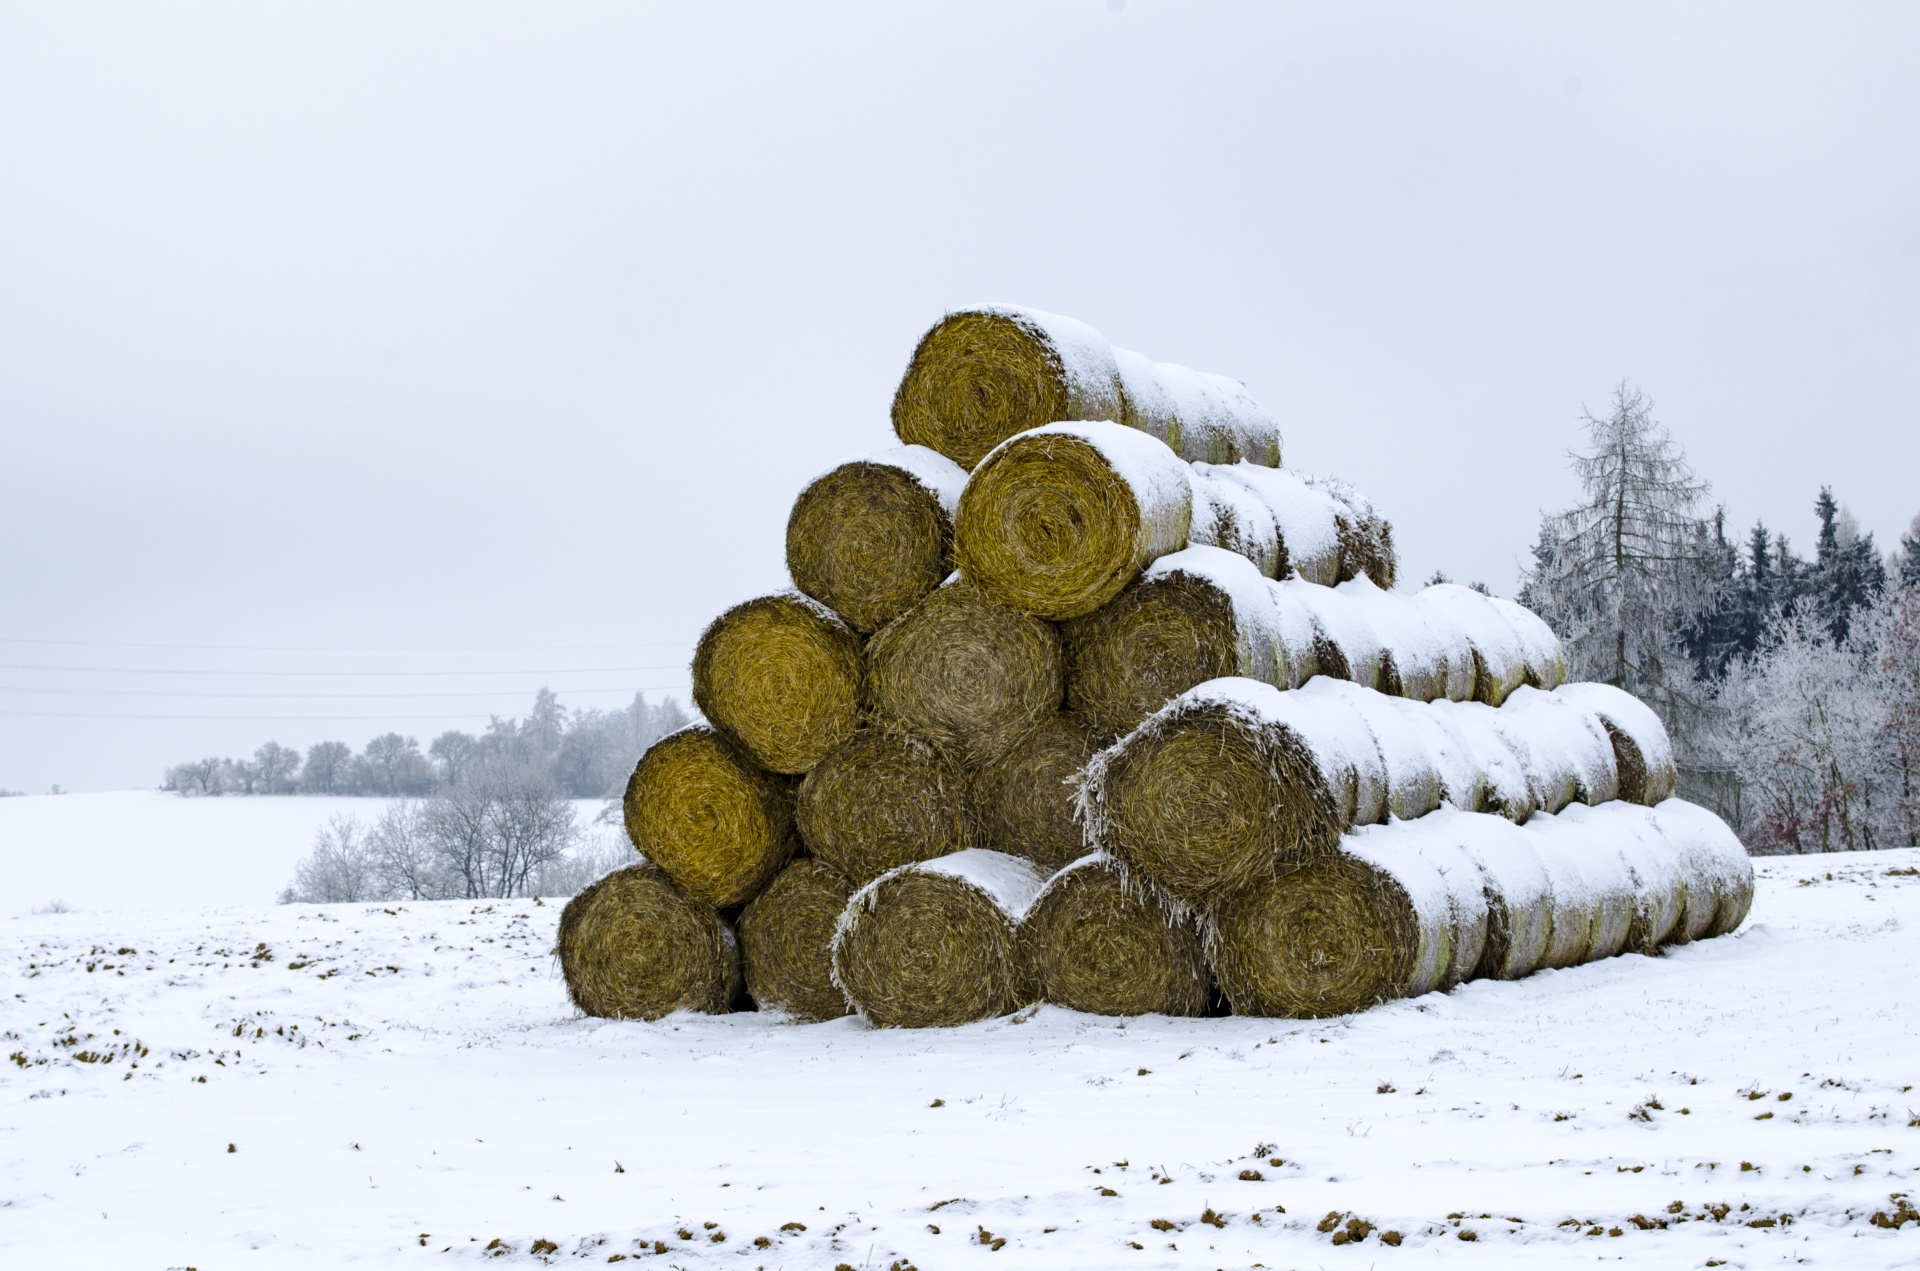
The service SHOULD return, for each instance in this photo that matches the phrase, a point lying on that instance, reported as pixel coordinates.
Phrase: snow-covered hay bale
(1564, 750)
(1416, 661)
(782, 674)
(702, 810)
(1099, 945)
(981, 375)
(1193, 616)
(1490, 777)
(1642, 752)
(880, 800)
(1542, 656)
(786, 939)
(1200, 417)
(1501, 658)
(1228, 514)
(936, 943)
(1306, 520)
(634, 946)
(1346, 646)
(1719, 874)
(1230, 780)
(1515, 886)
(1593, 890)
(1024, 800)
(872, 536)
(1366, 537)
(965, 672)
(1657, 873)
(1057, 520)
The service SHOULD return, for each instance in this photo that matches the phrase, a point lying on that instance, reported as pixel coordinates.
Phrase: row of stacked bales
(891, 807)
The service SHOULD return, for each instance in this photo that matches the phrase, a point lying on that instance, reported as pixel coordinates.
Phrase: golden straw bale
(786, 938)
(1306, 519)
(1228, 514)
(872, 536)
(981, 375)
(965, 672)
(935, 944)
(1058, 519)
(1200, 417)
(698, 807)
(634, 946)
(1099, 945)
(1024, 801)
(782, 674)
(881, 800)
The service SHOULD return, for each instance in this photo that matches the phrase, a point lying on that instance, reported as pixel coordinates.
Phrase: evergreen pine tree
(1848, 573)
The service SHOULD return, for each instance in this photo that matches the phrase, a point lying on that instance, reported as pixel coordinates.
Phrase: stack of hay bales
(1080, 697)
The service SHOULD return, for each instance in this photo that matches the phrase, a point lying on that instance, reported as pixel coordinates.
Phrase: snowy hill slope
(405, 1085)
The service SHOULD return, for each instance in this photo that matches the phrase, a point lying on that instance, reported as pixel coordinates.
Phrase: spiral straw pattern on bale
(634, 946)
(786, 939)
(782, 674)
(1024, 801)
(699, 808)
(965, 672)
(937, 944)
(1097, 944)
(881, 800)
(871, 537)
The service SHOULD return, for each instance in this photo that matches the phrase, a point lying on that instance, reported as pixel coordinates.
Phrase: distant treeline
(588, 754)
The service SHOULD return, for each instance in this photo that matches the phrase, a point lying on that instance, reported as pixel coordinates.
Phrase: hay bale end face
(871, 537)
(782, 674)
(1641, 748)
(882, 800)
(965, 672)
(634, 946)
(1024, 801)
(786, 939)
(1057, 520)
(937, 944)
(981, 375)
(1097, 944)
(699, 808)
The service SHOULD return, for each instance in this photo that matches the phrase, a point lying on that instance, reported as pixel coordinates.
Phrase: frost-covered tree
(1847, 573)
(341, 867)
(327, 767)
(278, 766)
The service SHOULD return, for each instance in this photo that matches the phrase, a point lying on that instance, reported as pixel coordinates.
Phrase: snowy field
(406, 1085)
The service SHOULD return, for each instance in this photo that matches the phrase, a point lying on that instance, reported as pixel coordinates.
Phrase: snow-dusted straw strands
(965, 672)
(1023, 801)
(1641, 749)
(699, 808)
(786, 939)
(1419, 906)
(871, 536)
(1508, 643)
(880, 800)
(634, 946)
(1096, 944)
(782, 674)
(936, 944)
(982, 374)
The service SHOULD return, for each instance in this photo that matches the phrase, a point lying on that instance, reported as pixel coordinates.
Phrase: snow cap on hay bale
(1346, 647)
(870, 537)
(1411, 746)
(1057, 520)
(935, 944)
(1545, 661)
(700, 809)
(982, 374)
(1658, 879)
(1201, 417)
(1564, 750)
(1481, 772)
(965, 672)
(1227, 514)
(1641, 749)
(1375, 921)
(1593, 892)
(1099, 944)
(1024, 800)
(782, 674)
(1193, 616)
(1499, 656)
(1229, 780)
(1417, 661)
(786, 938)
(883, 799)
(1306, 520)
(1719, 872)
(1366, 539)
(634, 946)
(1518, 893)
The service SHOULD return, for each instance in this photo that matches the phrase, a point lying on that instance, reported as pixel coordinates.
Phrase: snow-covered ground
(406, 1085)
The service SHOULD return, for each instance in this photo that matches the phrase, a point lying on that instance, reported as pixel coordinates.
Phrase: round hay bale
(1461, 615)
(1563, 750)
(1227, 514)
(1230, 780)
(1099, 945)
(1657, 883)
(936, 944)
(1346, 647)
(1719, 874)
(1593, 890)
(1543, 661)
(981, 375)
(1415, 661)
(786, 939)
(1306, 520)
(882, 800)
(965, 672)
(1193, 616)
(634, 946)
(872, 536)
(782, 674)
(1642, 751)
(699, 808)
(1518, 894)
(1490, 778)
(1024, 801)
(1200, 417)
(1057, 520)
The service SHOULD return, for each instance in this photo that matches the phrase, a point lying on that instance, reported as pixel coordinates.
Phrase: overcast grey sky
(412, 338)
